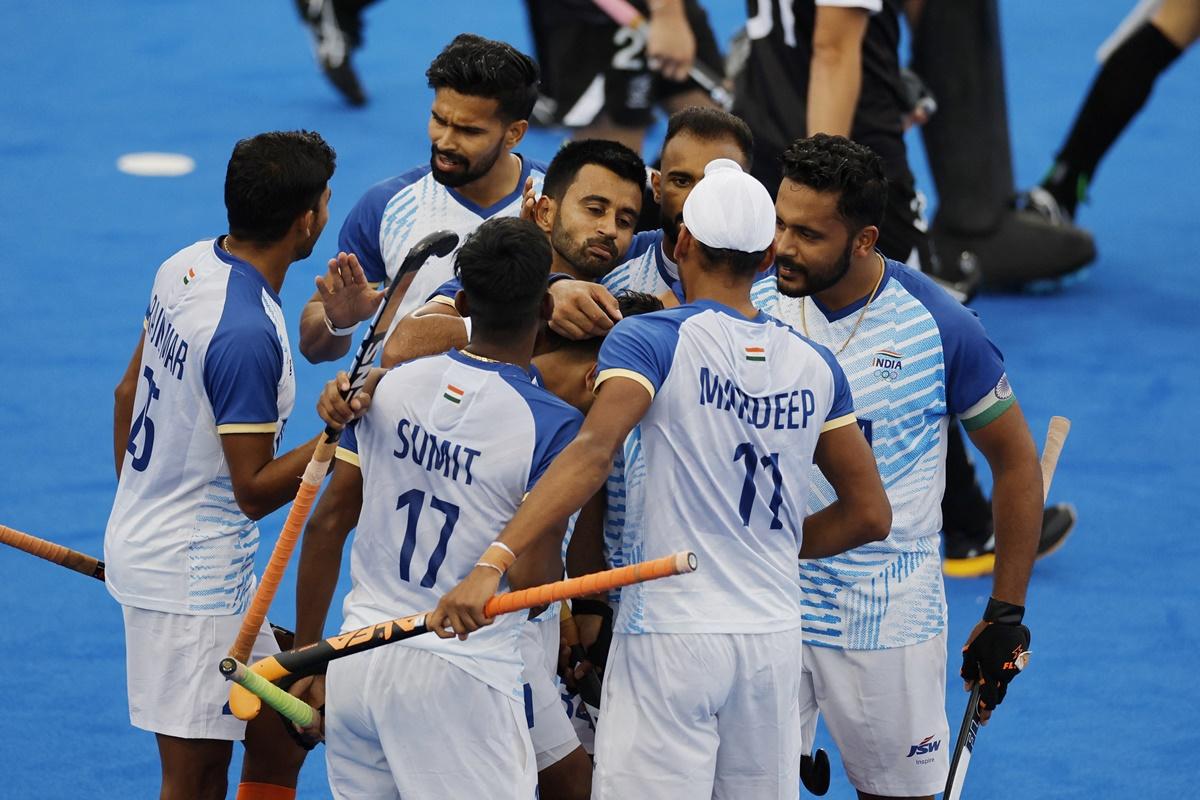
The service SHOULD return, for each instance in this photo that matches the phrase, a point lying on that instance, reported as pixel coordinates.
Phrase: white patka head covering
(730, 210)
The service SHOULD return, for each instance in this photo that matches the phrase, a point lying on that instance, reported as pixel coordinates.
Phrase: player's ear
(656, 185)
(683, 244)
(461, 305)
(590, 379)
(865, 240)
(515, 133)
(544, 210)
(546, 311)
(768, 258)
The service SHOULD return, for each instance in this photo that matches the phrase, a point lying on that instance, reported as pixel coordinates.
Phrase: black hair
(630, 303)
(480, 67)
(272, 179)
(504, 267)
(827, 163)
(574, 156)
(738, 261)
(709, 124)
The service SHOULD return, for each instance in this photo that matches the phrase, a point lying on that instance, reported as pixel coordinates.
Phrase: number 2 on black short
(746, 453)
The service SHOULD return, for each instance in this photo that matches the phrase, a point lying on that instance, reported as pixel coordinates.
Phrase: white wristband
(340, 331)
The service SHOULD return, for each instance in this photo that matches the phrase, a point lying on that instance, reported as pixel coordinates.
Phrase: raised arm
(344, 298)
(433, 328)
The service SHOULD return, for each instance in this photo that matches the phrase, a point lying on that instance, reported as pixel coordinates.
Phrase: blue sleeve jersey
(441, 478)
(396, 213)
(215, 360)
(917, 358)
(721, 463)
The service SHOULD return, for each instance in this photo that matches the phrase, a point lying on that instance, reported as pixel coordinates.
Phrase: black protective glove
(996, 651)
(597, 652)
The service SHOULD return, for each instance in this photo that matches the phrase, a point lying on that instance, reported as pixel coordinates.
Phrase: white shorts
(172, 678)
(403, 722)
(699, 716)
(886, 710)
(550, 728)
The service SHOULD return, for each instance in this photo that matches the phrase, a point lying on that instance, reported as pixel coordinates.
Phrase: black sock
(1117, 94)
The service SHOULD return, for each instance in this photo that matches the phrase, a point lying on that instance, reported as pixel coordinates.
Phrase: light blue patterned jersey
(652, 273)
(397, 213)
(647, 269)
(916, 358)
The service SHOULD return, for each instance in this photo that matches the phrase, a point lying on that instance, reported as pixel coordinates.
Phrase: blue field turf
(1106, 709)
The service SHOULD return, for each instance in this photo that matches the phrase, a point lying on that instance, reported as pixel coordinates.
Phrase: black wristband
(584, 605)
(1003, 613)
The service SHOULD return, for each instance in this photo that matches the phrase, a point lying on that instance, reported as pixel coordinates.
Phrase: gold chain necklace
(861, 314)
(469, 354)
(225, 244)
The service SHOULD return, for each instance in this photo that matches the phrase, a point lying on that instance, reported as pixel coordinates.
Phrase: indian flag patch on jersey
(191, 276)
(453, 393)
(756, 354)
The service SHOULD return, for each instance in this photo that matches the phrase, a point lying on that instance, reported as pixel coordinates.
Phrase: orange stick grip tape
(591, 584)
(314, 473)
(54, 553)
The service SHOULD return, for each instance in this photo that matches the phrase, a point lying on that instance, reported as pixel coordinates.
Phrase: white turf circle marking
(159, 165)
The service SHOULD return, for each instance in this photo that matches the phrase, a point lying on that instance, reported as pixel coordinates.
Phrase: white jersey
(647, 269)
(917, 358)
(450, 446)
(397, 213)
(726, 447)
(216, 360)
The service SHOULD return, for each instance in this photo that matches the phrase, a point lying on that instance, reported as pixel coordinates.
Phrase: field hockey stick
(439, 243)
(313, 658)
(86, 565)
(624, 14)
(964, 746)
(54, 553)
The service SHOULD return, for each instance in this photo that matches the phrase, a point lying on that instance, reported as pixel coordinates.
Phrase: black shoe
(1025, 247)
(973, 556)
(332, 48)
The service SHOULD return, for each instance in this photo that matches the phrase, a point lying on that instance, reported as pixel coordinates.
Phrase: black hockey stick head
(814, 772)
(437, 244)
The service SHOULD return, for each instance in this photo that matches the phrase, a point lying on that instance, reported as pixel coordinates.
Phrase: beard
(670, 227)
(579, 255)
(815, 279)
(466, 171)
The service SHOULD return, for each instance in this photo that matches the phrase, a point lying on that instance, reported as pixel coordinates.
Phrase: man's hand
(994, 653)
(460, 611)
(345, 292)
(310, 689)
(336, 412)
(670, 43)
(528, 200)
(582, 309)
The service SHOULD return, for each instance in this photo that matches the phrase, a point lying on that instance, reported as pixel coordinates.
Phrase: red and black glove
(996, 651)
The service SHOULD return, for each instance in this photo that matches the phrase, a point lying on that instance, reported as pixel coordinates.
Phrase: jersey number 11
(746, 453)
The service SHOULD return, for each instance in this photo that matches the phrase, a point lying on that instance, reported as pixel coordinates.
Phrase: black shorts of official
(602, 67)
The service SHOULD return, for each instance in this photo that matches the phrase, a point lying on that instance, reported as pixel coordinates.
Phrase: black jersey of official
(772, 90)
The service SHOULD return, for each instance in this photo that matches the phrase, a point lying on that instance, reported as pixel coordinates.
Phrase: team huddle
(752, 382)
